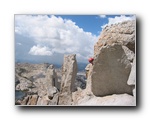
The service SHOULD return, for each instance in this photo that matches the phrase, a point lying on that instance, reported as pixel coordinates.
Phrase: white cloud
(118, 19)
(55, 35)
(39, 50)
(102, 16)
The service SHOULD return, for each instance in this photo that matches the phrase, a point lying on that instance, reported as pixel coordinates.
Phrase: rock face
(89, 69)
(48, 91)
(39, 82)
(111, 70)
(123, 33)
(69, 71)
(51, 77)
(132, 76)
(112, 77)
(114, 53)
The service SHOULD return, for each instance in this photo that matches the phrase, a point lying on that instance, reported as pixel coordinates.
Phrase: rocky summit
(110, 80)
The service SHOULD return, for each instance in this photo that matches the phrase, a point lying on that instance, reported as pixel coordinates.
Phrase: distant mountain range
(81, 66)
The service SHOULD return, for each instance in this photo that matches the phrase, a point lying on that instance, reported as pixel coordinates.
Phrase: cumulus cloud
(39, 50)
(102, 16)
(118, 19)
(53, 35)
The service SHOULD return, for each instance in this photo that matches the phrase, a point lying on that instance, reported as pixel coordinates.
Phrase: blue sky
(90, 23)
(46, 38)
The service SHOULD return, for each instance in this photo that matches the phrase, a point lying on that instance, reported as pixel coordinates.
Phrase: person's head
(91, 60)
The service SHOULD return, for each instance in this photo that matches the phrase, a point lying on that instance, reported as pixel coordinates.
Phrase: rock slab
(69, 71)
(111, 70)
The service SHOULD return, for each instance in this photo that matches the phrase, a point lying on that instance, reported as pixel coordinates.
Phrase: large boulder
(69, 71)
(123, 33)
(111, 70)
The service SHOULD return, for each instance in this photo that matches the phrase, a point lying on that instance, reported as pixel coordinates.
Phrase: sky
(46, 38)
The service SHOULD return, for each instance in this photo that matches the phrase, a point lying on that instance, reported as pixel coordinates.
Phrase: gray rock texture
(122, 33)
(32, 100)
(51, 77)
(69, 71)
(132, 76)
(39, 82)
(43, 101)
(89, 82)
(111, 70)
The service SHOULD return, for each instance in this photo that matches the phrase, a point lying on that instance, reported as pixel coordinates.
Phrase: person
(91, 60)
(88, 66)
